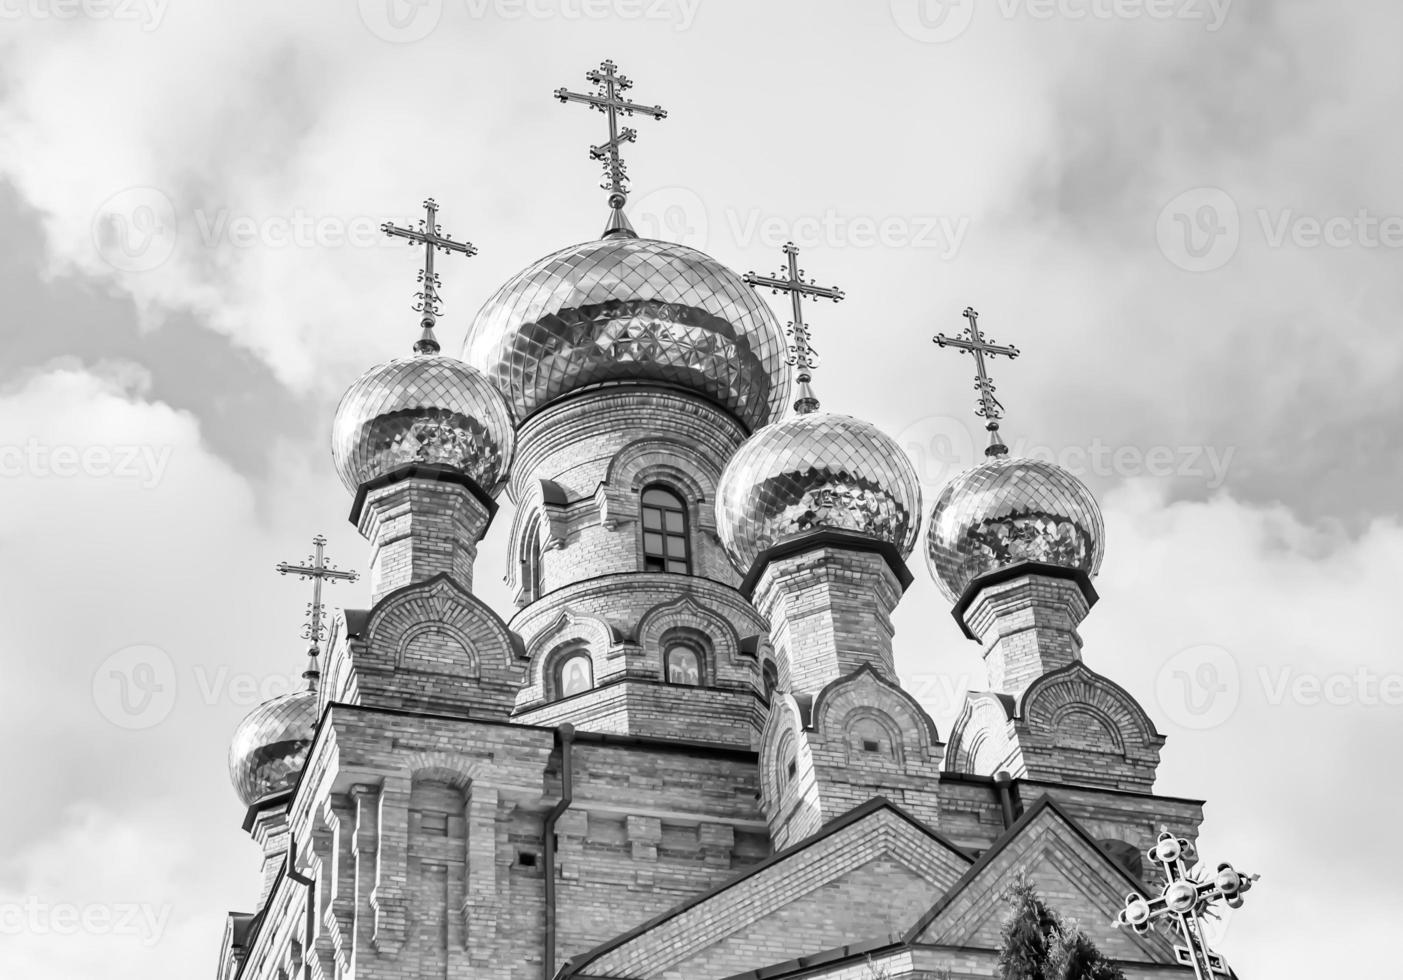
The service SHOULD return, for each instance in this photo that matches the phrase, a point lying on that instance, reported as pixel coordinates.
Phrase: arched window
(769, 676)
(574, 674)
(664, 532)
(683, 665)
(531, 560)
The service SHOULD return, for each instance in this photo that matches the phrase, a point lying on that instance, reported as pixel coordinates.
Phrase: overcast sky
(1184, 212)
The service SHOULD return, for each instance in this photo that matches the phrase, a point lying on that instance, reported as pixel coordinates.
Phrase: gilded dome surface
(817, 471)
(1008, 510)
(631, 309)
(428, 408)
(270, 746)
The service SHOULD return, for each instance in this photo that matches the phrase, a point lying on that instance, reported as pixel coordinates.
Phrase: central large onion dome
(1008, 510)
(270, 746)
(811, 472)
(626, 309)
(426, 408)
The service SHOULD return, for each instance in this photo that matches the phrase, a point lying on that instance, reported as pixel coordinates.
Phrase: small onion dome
(816, 471)
(427, 408)
(270, 746)
(1008, 510)
(626, 309)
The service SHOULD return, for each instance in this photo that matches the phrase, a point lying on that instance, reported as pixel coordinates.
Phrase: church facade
(685, 753)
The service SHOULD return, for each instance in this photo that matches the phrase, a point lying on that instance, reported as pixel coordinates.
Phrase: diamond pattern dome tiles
(1008, 510)
(631, 309)
(270, 746)
(423, 409)
(816, 471)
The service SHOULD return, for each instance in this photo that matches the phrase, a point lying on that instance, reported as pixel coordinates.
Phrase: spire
(801, 352)
(971, 341)
(428, 304)
(316, 569)
(608, 98)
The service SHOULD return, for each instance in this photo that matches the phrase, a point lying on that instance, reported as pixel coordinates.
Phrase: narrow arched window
(664, 532)
(531, 560)
(683, 666)
(769, 676)
(574, 674)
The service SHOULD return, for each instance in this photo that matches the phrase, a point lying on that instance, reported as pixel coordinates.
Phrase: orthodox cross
(1186, 899)
(801, 352)
(609, 99)
(317, 569)
(427, 301)
(971, 341)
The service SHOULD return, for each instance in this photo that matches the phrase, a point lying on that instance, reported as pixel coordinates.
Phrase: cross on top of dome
(608, 98)
(801, 353)
(426, 300)
(971, 341)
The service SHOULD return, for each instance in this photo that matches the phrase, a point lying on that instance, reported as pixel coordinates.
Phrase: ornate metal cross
(1185, 899)
(609, 99)
(801, 351)
(317, 569)
(971, 341)
(427, 301)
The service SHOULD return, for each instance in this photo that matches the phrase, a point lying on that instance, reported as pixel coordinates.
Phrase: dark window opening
(868, 745)
(664, 532)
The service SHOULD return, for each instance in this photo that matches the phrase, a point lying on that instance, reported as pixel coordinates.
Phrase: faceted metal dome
(631, 309)
(1008, 510)
(270, 746)
(428, 408)
(814, 471)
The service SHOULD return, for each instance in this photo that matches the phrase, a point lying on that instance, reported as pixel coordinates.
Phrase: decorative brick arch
(685, 614)
(982, 725)
(868, 693)
(569, 632)
(447, 641)
(1077, 689)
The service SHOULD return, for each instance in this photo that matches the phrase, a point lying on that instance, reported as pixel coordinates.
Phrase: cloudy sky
(1186, 213)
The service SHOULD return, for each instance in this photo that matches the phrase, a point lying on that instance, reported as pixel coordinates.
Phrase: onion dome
(815, 471)
(270, 746)
(626, 309)
(427, 408)
(1009, 510)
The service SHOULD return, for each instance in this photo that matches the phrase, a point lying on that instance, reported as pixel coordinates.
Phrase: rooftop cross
(1185, 899)
(316, 569)
(428, 234)
(971, 341)
(609, 99)
(801, 352)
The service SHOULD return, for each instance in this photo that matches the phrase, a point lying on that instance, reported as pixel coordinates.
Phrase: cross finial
(1186, 897)
(609, 99)
(801, 352)
(426, 300)
(317, 569)
(971, 341)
